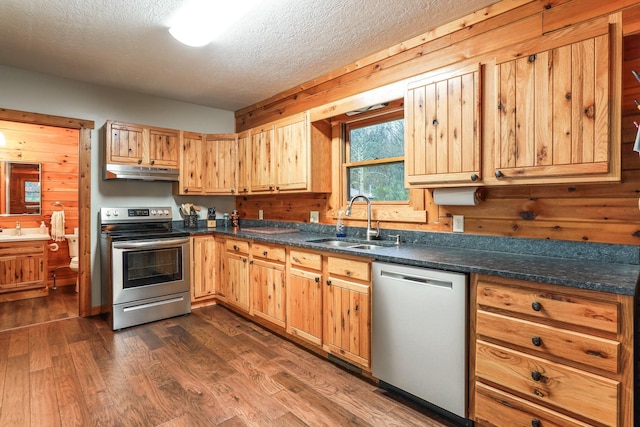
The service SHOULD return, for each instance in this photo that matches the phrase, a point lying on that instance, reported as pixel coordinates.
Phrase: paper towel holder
(459, 196)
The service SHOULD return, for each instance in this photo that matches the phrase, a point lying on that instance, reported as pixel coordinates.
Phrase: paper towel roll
(460, 196)
(53, 247)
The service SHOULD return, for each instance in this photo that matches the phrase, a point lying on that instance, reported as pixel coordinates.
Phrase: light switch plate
(260, 214)
(458, 223)
(314, 218)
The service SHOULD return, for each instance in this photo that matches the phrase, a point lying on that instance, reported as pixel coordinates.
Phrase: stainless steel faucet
(18, 228)
(371, 234)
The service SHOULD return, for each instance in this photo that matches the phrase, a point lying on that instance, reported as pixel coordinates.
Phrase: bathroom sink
(26, 234)
(365, 247)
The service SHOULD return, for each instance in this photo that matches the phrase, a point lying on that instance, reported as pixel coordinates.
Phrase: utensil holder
(191, 221)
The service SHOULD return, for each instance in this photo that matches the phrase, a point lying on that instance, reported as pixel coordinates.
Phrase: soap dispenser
(340, 230)
(43, 228)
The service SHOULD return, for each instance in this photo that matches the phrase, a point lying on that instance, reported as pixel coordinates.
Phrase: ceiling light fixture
(201, 21)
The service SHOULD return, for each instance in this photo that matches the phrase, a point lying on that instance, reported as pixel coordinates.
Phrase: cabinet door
(262, 179)
(553, 115)
(348, 317)
(192, 163)
(123, 143)
(203, 255)
(243, 162)
(163, 147)
(268, 291)
(292, 153)
(442, 128)
(304, 305)
(8, 272)
(237, 286)
(220, 158)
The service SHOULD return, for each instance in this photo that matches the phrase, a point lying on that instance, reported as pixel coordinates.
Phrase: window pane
(31, 192)
(379, 141)
(378, 182)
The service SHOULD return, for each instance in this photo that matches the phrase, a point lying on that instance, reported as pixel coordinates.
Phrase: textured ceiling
(125, 43)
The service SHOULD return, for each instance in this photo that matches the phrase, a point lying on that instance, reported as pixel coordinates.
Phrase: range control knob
(153, 212)
(166, 212)
(115, 212)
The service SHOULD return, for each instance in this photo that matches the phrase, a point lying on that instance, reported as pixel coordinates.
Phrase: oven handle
(155, 244)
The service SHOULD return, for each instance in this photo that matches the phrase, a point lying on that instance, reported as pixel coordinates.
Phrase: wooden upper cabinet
(556, 114)
(164, 147)
(244, 162)
(191, 173)
(220, 164)
(442, 128)
(131, 144)
(262, 159)
(291, 155)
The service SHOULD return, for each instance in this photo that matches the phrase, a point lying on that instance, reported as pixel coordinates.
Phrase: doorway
(84, 129)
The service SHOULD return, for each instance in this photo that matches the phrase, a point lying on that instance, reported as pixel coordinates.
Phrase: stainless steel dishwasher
(419, 335)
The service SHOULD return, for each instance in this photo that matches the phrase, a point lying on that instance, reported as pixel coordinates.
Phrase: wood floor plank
(16, 408)
(43, 398)
(39, 351)
(73, 409)
(19, 343)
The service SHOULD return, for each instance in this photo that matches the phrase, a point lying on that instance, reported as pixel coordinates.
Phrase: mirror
(20, 185)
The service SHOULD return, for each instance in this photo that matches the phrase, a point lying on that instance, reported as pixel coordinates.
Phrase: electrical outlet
(260, 214)
(314, 218)
(458, 223)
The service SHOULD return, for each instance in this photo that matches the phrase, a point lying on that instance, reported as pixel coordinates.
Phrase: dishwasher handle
(416, 279)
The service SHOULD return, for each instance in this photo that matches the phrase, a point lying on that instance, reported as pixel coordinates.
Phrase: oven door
(144, 269)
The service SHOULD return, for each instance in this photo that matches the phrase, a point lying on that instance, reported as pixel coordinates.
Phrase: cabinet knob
(328, 282)
(535, 422)
(244, 190)
(244, 260)
(264, 253)
(186, 190)
(153, 162)
(235, 247)
(536, 376)
(474, 177)
(317, 279)
(278, 187)
(139, 161)
(536, 341)
(499, 174)
(233, 191)
(536, 306)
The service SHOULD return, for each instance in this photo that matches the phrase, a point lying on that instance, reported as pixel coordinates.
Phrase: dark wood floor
(61, 303)
(207, 368)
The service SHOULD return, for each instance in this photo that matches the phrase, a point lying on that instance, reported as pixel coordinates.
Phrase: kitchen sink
(349, 244)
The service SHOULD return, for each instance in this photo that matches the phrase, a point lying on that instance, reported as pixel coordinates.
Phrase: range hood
(140, 173)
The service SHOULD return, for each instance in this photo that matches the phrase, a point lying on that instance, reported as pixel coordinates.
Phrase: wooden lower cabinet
(268, 297)
(23, 270)
(546, 355)
(234, 288)
(347, 310)
(304, 295)
(204, 271)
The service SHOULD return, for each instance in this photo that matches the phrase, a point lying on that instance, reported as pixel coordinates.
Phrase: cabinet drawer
(552, 306)
(546, 340)
(347, 267)
(498, 408)
(270, 252)
(305, 259)
(541, 381)
(237, 246)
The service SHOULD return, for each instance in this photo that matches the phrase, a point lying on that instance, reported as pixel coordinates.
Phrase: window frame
(411, 211)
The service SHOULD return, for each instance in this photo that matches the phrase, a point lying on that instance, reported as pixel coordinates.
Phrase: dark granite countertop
(603, 276)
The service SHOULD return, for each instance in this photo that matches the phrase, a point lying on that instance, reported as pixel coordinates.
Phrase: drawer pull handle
(536, 306)
(264, 253)
(536, 376)
(235, 247)
(537, 341)
(535, 422)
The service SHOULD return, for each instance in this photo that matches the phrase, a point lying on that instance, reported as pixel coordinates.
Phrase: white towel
(57, 225)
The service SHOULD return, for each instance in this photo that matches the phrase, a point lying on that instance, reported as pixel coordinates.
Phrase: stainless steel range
(145, 266)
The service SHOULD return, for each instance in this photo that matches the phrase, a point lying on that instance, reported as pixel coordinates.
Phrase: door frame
(84, 193)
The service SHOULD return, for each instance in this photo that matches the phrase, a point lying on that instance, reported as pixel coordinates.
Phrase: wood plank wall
(606, 213)
(57, 150)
